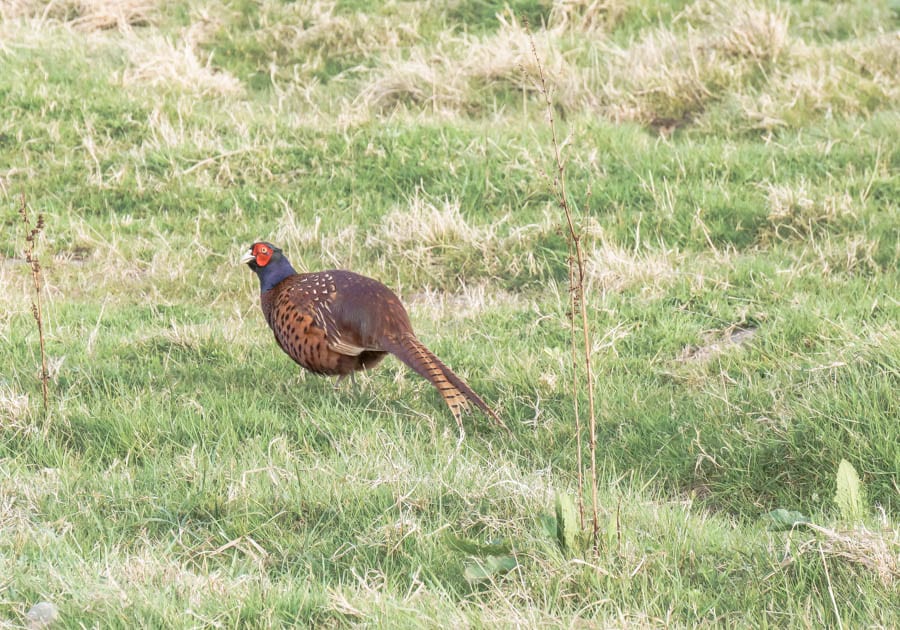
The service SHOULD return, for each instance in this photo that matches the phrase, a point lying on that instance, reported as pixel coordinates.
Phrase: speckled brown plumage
(337, 322)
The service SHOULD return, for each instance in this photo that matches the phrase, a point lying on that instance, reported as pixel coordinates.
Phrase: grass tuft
(86, 15)
(159, 62)
(427, 233)
(794, 213)
(14, 408)
(612, 268)
(876, 551)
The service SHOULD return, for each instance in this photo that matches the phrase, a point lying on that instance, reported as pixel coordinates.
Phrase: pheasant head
(268, 263)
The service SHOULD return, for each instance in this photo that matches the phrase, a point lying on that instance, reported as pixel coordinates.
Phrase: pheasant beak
(248, 257)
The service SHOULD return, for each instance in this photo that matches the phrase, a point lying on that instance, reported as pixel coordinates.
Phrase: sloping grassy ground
(736, 166)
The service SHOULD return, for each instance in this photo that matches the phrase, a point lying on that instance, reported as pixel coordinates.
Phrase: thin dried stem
(837, 612)
(570, 262)
(31, 234)
(574, 238)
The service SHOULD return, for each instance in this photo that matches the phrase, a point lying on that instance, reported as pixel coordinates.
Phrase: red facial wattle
(263, 254)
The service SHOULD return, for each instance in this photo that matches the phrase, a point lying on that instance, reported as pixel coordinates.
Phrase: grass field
(736, 174)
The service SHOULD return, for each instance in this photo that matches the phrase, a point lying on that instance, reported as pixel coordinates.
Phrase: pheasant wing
(355, 312)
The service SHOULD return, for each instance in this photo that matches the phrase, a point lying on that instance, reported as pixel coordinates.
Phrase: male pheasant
(337, 322)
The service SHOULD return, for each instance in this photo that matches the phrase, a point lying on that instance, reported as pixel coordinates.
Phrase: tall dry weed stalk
(577, 309)
(31, 235)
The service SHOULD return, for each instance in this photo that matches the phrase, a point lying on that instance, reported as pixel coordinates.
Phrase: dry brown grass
(369, 600)
(426, 80)
(741, 53)
(611, 267)
(425, 234)
(795, 212)
(14, 289)
(154, 60)
(85, 15)
(21, 495)
(468, 73)
(305, 39)
(664, 79)
(853, 254)
(718, 342)
(586, 16)
(471, 300)
(96, 15)
(505, 60)
(318, 28)
(426, 223)
(670, 77)
(14, 407)
(876, 551)
(743, 29)
(160, 62)
(291, 232)
(844, 79)
(413, 236)
(667, 77)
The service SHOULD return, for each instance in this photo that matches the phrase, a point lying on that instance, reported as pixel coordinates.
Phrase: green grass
(727, 178)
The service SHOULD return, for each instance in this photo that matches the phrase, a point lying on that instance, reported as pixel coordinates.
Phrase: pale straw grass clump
(876, 551)
(307, 41)
(429, 238)
(15, 9)
(665, 79)
(506, 60)
(13, 289)
(316, 26)
(464, 74)
(877, 57)
(291, 232)
(670, 77)
(612, 268)
(13, 408)
(160, 62)
(416, 233)
(95, 15)
(167, 131)
(743, 29)
(796, 212)
(851, 254)
(430, 81)
(22, 493)
(85, 15)
(845, 79)
(143, 571)
(369, 598)
(822, 224)
(436, 240)
(586, 16)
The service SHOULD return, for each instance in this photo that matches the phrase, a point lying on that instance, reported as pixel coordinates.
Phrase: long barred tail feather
(455, 392)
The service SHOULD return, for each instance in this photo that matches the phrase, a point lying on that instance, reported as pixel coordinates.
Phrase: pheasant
(337, 322)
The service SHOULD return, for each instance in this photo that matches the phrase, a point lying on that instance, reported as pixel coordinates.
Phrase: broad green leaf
(849, 495)
(566, 521)
(612, 530)
(480, 570)
(785, 519)
(548, 524)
